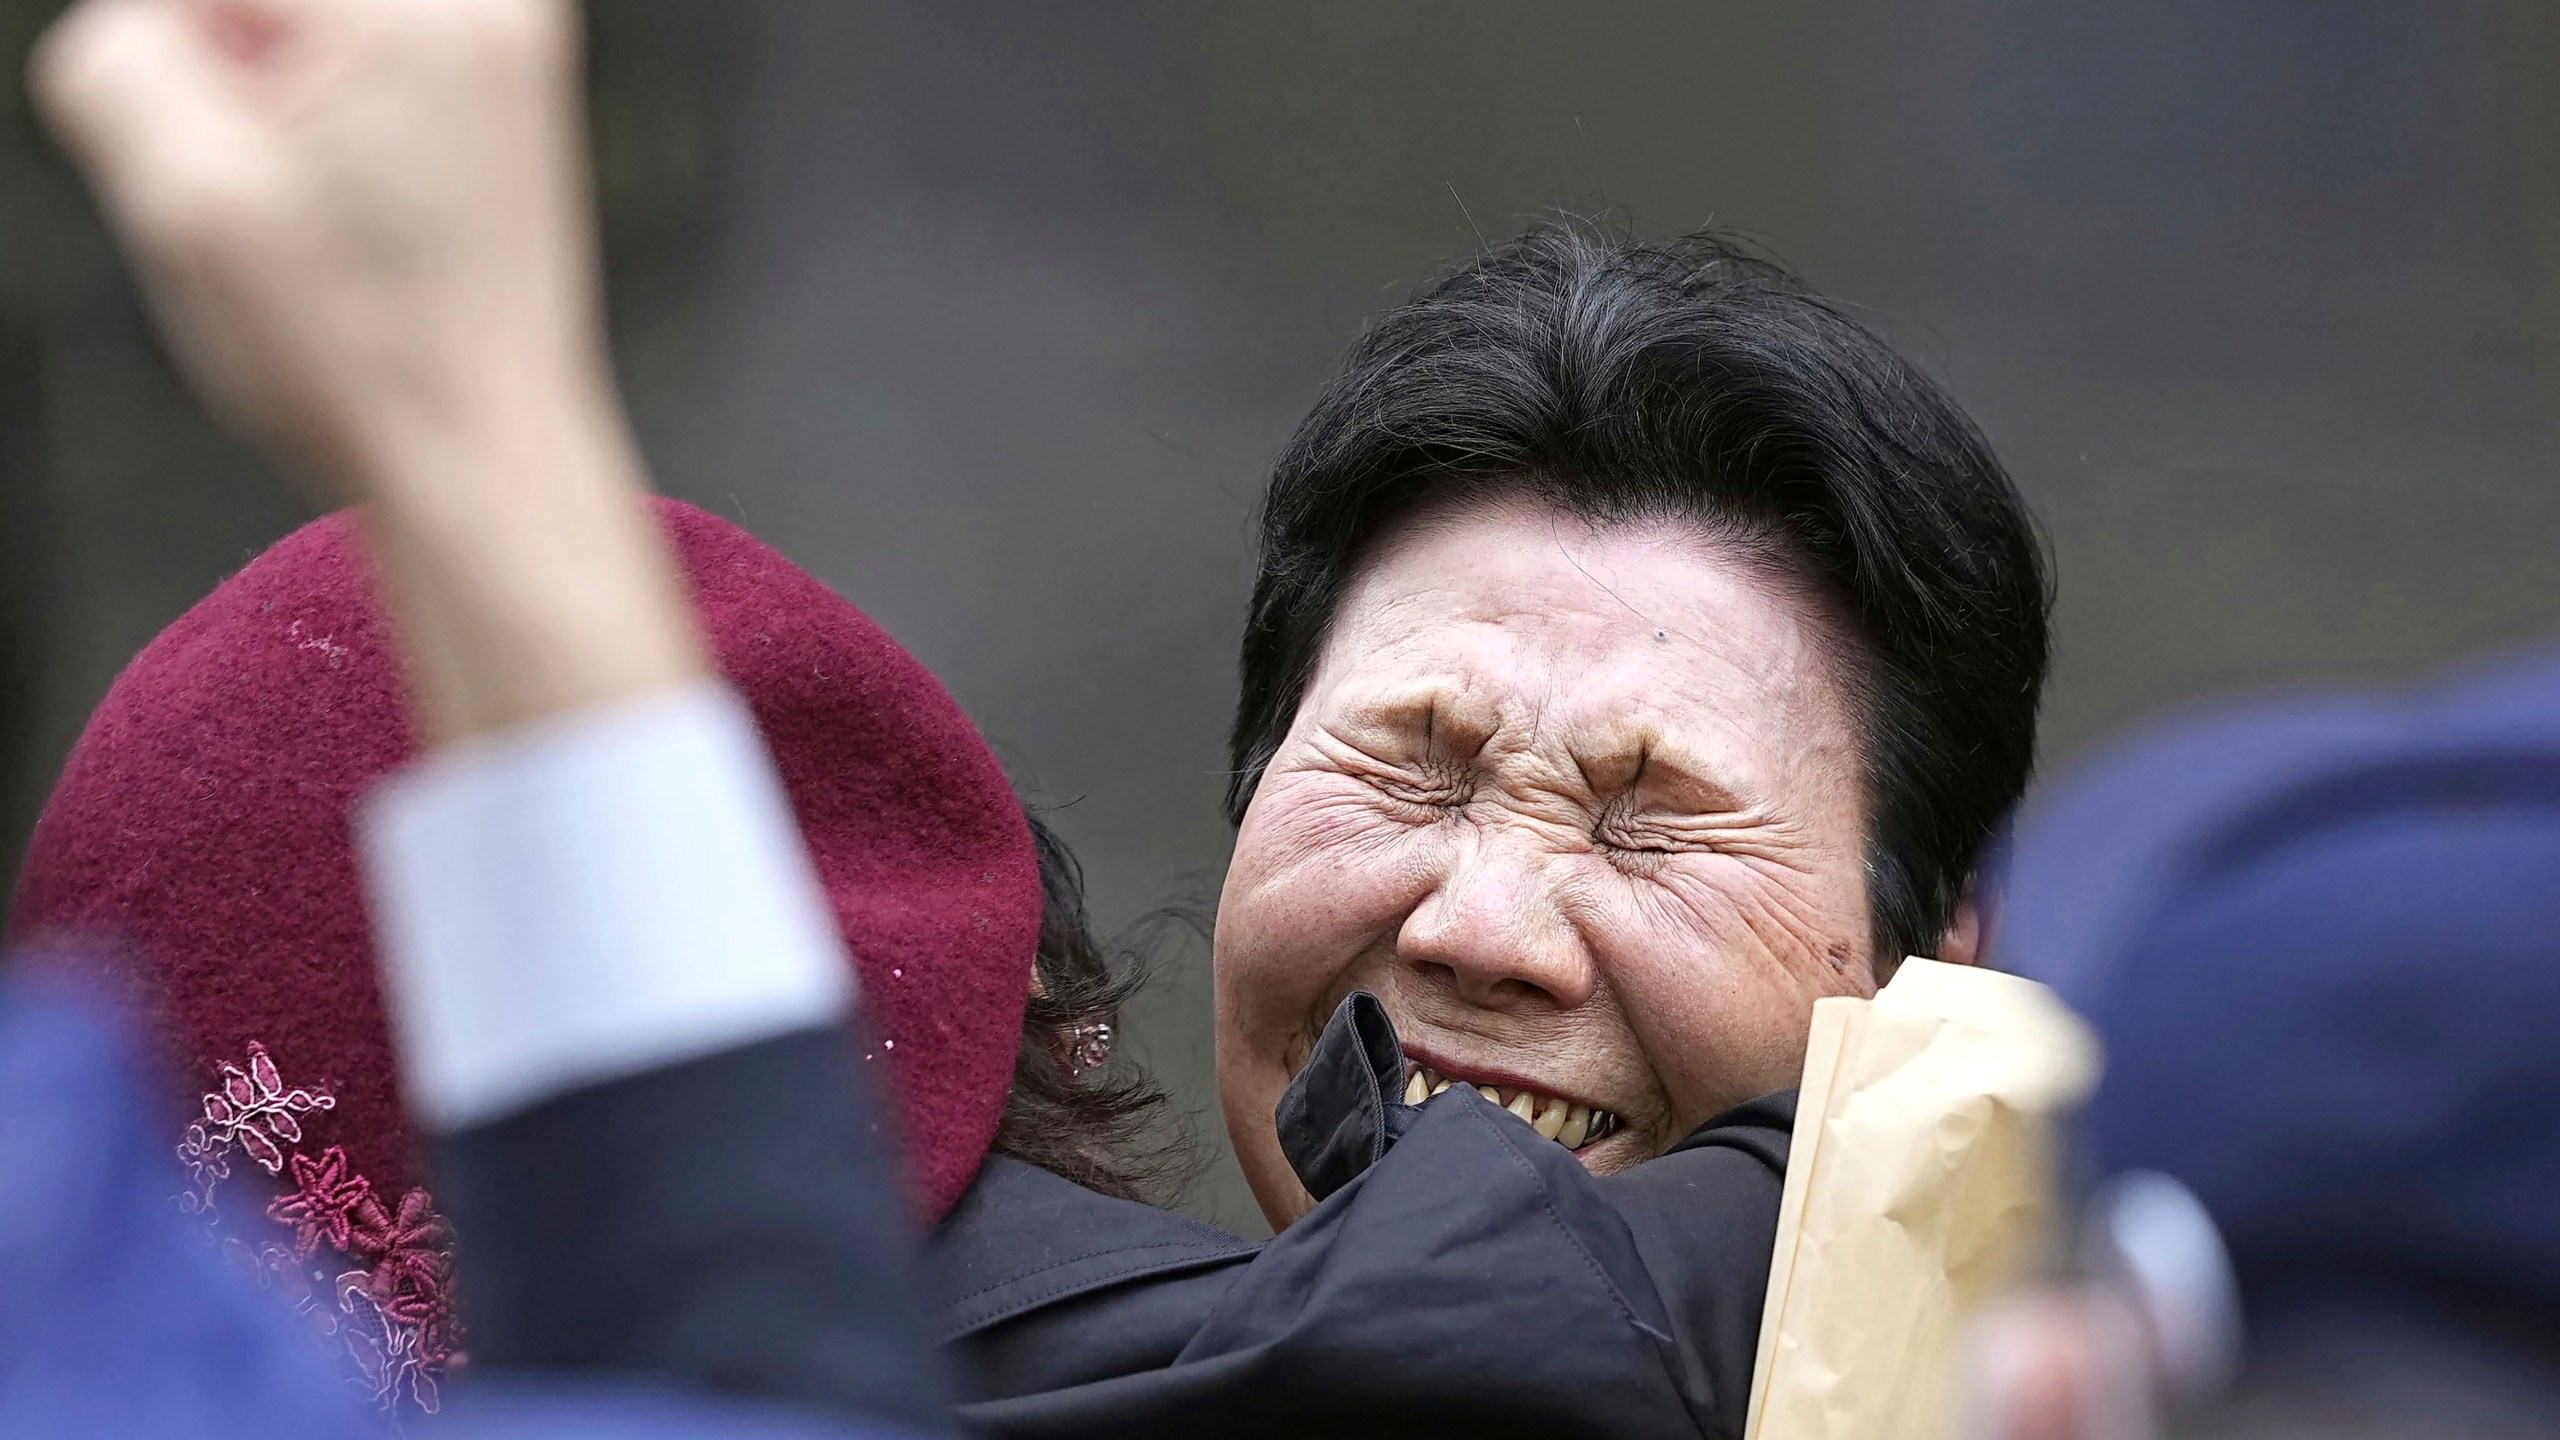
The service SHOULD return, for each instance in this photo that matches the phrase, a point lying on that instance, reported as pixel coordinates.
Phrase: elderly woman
(1641, 651)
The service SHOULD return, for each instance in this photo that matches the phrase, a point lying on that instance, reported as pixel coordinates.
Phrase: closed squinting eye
(1426, 792)
(1630, 843)
(1422, 790)
(1618, 832)
(1416, 787)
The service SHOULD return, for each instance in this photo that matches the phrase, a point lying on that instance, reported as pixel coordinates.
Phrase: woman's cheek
(1321, 823)
(1676, 985)
(1719, 1001)
(1319, 875)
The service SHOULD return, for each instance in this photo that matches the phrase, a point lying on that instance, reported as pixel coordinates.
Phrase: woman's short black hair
(1620, 379)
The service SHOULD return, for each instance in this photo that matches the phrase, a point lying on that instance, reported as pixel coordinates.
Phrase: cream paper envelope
(1919, 1185)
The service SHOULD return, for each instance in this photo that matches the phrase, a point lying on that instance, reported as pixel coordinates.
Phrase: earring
(1088, 1046)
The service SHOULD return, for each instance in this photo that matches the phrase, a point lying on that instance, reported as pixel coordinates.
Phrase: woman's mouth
(1570, 1125)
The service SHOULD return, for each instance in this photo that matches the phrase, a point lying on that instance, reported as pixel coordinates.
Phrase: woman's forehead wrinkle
(1609, 719)
(1668, 722)
(1595, 663)
(1697, 782)
(1432, 709)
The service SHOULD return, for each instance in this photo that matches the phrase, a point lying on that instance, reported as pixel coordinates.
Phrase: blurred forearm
(521, 564)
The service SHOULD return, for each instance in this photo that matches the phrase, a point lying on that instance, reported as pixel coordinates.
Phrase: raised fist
(362, 224)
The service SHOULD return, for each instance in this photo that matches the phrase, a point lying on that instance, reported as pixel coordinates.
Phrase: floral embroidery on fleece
(252, 1111)
(323, 1208)
(391, 1312)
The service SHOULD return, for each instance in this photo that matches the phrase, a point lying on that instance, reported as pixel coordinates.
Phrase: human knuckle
(77, 65)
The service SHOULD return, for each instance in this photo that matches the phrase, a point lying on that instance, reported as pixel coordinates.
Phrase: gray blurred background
(991, 315)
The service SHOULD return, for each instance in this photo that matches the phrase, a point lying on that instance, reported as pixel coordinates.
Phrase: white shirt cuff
(591, 896)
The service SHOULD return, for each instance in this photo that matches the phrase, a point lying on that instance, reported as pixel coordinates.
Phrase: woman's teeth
(1569, 1125)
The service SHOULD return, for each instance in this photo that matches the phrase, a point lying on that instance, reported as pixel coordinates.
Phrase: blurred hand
(365, 230)
(363, 224)
(2049, 1363)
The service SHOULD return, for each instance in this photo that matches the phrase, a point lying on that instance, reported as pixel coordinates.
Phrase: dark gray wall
(991, 314)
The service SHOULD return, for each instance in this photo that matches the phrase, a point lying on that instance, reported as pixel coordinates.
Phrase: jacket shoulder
(1022, 1239)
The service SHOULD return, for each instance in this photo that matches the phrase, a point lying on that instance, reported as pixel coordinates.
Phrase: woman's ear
(1961, 942)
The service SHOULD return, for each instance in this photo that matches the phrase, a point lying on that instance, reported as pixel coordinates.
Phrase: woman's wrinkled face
(1583, 807)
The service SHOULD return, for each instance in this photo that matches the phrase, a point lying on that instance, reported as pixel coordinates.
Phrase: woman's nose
(1493, 924)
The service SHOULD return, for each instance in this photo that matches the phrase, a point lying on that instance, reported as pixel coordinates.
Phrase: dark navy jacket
(1459, 1273)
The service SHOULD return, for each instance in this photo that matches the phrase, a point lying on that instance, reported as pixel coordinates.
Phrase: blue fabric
(115, 1321)
(2321, 941)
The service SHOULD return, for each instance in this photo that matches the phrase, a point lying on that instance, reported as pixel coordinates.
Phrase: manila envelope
(1920, 1183)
